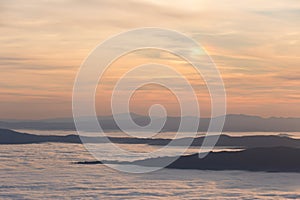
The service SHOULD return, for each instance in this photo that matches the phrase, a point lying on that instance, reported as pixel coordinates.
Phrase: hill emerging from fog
(272, 159)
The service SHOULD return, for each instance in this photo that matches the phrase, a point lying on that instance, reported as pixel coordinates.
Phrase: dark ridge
(13, 137)
(89, 162)
(274, 159)
(239, 141)
(97, 162)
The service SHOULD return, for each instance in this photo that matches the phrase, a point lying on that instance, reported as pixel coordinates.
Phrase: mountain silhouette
(273, 159)
(233, 123)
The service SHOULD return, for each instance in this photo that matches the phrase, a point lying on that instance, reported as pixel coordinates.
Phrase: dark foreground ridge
(246, 142)
(275, 159)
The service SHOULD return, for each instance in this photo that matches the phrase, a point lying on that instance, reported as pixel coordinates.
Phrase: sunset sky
(255, 45)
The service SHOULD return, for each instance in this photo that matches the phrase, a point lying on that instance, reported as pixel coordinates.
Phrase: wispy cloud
(255, 44)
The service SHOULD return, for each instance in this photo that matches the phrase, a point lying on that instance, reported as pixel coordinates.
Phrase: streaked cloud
(255, 44)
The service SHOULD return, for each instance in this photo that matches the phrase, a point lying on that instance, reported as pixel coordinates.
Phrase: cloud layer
(255, 45)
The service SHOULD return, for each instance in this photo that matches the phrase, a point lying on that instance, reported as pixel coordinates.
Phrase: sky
(254, 44)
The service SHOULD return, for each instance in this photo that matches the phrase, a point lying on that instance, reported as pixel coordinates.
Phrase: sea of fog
(47, 171)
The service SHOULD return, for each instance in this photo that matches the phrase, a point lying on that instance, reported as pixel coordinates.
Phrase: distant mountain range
(233, 123)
